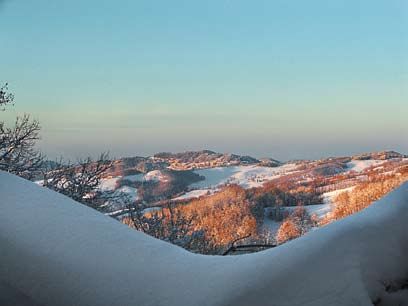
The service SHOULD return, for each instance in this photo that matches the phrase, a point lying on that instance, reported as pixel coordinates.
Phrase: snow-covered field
(320, 210)
(329, 196)
(193, 194)
(55, 251)
(109, 183)
(361, 165)
(270, 227)
(155, 175)
(135, 177)
(130, 191)
(245, 176)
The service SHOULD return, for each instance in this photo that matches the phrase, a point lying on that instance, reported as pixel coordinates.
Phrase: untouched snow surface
(155, 175)
(320, 210)
(246, 176)
(55, 251)
(270, 227)
(328, 197)
(109, 183)
(193, 194)
(361, 165)
(134, 177)
(130, 191)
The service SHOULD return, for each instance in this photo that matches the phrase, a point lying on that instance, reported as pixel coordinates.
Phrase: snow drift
(55, 251)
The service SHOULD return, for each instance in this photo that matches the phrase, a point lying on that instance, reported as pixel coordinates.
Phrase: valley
(273, 191)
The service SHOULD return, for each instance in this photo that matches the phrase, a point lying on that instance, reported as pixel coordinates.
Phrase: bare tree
(298, 223)
(5, 97)
(178, 226)
(149, 222)
(169, 224)
(81, 181)
(18, 154)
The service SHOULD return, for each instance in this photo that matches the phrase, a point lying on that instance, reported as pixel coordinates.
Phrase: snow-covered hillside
(328, 197)
(361, 165)
(245, 176)
(270, 227)
(337, 173)
(55, 251)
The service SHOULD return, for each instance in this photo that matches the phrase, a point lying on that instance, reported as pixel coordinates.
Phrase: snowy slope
(130, 191)
(328, 197)
(109, 183)
(246, 176)
(155, 175)
(320, 210)
(58, 252)
(361, 165)
(193, 194)
(270, 227)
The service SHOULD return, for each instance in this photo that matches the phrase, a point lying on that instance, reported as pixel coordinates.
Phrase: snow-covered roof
(55, 251)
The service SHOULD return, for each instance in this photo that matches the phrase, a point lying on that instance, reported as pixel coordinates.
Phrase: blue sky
(285, 79)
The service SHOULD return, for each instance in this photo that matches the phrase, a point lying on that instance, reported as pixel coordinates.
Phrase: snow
(361, 165)
(118, 212)
(108, 184)
(329, 196)
(150, 209)
(193, 194)
(134, 178)
(55, 251)
(130, 191)
(245, 176)
(155, 175)
(270, 227)
(320, 210)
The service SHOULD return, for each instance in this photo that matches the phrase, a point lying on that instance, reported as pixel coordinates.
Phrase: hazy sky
(285, 79)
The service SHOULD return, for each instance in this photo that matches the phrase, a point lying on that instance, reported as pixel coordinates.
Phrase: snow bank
(55, 251)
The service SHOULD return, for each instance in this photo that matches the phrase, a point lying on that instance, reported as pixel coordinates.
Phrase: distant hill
(382, 155)
(203, 159)
(269, 162)
(188, 160)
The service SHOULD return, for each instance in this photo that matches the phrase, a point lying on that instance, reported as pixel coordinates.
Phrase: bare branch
(5, 97)
(81, 181)
(18, 154)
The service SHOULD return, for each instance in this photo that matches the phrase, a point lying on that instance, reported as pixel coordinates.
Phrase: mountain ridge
(203, 159)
